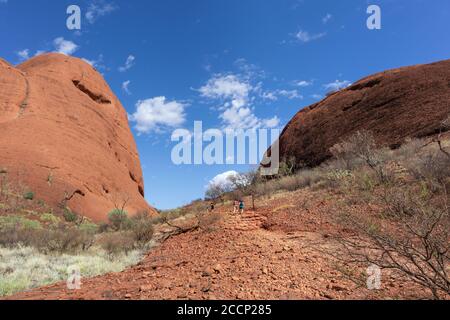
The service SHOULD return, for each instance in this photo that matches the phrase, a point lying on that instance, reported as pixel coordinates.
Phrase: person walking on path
(235, 207)
(241, 207)
(211, 207)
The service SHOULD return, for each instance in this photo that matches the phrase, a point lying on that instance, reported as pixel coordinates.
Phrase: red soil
(276, 253)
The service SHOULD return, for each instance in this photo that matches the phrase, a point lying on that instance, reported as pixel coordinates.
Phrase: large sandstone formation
(65, 135)
(394, 105)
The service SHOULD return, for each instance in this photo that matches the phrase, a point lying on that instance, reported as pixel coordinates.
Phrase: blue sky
(228, 63)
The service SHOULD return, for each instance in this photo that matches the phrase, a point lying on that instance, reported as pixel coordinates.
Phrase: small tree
(118, 219)
(69, 215)
(287, 167)
(361, 146)
(216, 191)
(246, 184)
(142, 227)
(417, 246)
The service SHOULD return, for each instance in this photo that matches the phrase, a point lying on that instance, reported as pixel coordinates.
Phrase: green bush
(142, 228)
(50, 218)
(70, 216)
(28, 195)
(89, 227)
(12, 221)
(119, 219)
(61, 240)
(117, 242)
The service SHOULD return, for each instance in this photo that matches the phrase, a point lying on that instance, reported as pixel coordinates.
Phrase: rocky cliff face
(65, 135)
(394, 105)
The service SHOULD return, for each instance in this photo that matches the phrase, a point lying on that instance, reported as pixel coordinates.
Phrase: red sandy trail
(239, 259)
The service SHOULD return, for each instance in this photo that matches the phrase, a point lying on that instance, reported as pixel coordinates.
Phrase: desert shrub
(365, 182)
(16, 236)
(287, 167)
(25, 268)
(28, 195)
(338, 178)
(118, 219)
(142, 228)
(343, 159)
(264, 189)
(117, 242)
(61, 239)
(166, 215)
(50, 218)
(208, 222)
(159, 219)
(69, 215)
(216, 191)
(290, 183)
(13, 221)
(103, 227)
(409, 149)
(304, 178)
(89, 227)
(403, 201)
(434, 168)
(362, 148)
(413, 242)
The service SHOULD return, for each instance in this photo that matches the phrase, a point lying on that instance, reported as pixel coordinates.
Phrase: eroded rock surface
(395, 104)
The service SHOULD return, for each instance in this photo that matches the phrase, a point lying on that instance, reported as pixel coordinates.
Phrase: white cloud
(303, 83)
(235, 95)
(156, 114)
(125, 87)
(228, 86)
(39, 52)
(305, 36)
(23, 54)
(97, 9)
(337, 85)
(223, 179)
(128, 64)
(274, 95)
(269, 95)
(3, 1)
(64, 46)
(290, 94)
(272, 123)
(317, 96)
(327, 18)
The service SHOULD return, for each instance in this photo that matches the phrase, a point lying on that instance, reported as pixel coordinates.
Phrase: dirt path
(238, 260)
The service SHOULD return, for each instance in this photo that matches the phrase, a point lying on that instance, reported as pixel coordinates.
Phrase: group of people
(238, 207)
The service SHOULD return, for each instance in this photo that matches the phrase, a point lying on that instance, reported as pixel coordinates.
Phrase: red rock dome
(65, 135)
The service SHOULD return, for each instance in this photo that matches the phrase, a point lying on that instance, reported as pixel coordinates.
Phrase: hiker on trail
(235, 207)
(241, 206)
(211, 207)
